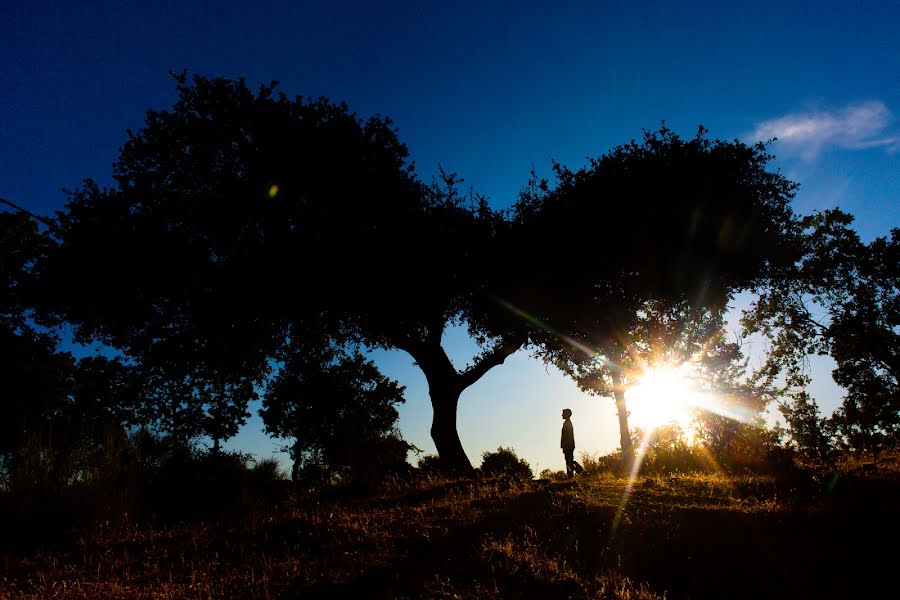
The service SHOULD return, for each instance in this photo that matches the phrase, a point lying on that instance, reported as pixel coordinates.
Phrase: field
(812, 534)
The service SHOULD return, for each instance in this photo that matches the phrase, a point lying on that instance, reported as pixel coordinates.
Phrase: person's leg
(570, 459)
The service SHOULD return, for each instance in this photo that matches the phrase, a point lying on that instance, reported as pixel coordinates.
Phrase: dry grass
(677, 536)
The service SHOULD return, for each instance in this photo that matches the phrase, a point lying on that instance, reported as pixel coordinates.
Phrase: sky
(489, 90)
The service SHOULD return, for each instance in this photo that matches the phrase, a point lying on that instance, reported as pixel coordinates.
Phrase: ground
(810, 534)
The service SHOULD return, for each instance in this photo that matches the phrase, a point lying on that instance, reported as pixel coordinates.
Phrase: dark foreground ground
(810, 535)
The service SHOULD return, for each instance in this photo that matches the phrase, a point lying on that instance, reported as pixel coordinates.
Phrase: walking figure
(567, 443)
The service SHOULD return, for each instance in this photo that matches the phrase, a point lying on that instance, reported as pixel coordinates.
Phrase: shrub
(609, 463)
(505, 462)
(269, 469)
(429, 464)
(553, 475)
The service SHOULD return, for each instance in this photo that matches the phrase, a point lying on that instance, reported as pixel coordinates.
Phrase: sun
(662, 396)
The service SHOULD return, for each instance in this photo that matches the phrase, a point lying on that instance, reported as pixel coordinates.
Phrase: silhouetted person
(567, 443)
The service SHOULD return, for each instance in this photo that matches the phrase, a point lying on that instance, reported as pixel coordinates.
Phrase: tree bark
(624, 432)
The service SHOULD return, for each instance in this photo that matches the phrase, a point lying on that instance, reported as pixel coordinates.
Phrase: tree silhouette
(194, 263)
(440, 265)
(339, 410)
(841, 298)
(54, 408)
(639, 253)
(34, 377)
(239, 215)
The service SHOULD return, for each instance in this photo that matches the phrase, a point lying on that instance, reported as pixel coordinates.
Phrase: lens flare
(661, 396)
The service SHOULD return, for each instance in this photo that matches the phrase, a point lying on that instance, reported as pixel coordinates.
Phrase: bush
(505, 462)
(553, 475)
(269, 469)
(608, 463)
(429, 464)
(128, 477)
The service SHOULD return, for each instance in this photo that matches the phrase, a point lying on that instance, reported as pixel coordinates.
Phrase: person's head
(566, 413)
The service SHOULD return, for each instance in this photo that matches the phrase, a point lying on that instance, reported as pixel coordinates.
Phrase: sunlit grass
(460, 538)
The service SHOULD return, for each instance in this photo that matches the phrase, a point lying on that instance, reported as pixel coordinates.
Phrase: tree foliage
(639, 253)
(840, 299)
(339, 410)
(58, 413)
(212, 240)
(34, 377)
(238, 215)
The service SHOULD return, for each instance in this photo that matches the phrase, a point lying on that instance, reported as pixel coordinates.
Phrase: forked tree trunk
(445, 386)
(624, 432)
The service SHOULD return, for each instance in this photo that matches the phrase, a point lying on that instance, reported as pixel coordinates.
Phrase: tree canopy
(211, 241)
(238, 215)
(339, 410)
(243, 221)
(34, 377)
(639, 253)
(841, 298)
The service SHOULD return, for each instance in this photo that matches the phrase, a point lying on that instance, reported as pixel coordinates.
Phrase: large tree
(638, 254)
(445, 265)
(207, 245)
(841, 299)
(237, 215)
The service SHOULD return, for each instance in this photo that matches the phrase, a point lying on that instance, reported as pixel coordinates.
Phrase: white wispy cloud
(856, 126)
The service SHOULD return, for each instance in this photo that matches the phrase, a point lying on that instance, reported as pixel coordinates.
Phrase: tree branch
(807, 315)
(490, 360)
(43, 220)
(431, 358)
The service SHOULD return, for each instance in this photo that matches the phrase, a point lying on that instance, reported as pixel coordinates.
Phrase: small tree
(339, 410)
(808, 432)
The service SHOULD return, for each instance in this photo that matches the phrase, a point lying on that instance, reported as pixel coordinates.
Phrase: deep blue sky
(488, 90)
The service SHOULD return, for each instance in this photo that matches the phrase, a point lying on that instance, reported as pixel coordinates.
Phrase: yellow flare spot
(273, 191)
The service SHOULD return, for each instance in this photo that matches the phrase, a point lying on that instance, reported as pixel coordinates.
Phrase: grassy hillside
(810, 535)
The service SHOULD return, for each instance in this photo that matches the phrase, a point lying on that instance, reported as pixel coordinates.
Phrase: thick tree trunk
(444, 432)
(624, 432)
(445, 386)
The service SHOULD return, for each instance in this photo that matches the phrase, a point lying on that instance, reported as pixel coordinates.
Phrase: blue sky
(489, 90)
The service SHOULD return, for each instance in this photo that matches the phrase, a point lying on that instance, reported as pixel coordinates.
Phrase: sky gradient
(489, 90)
